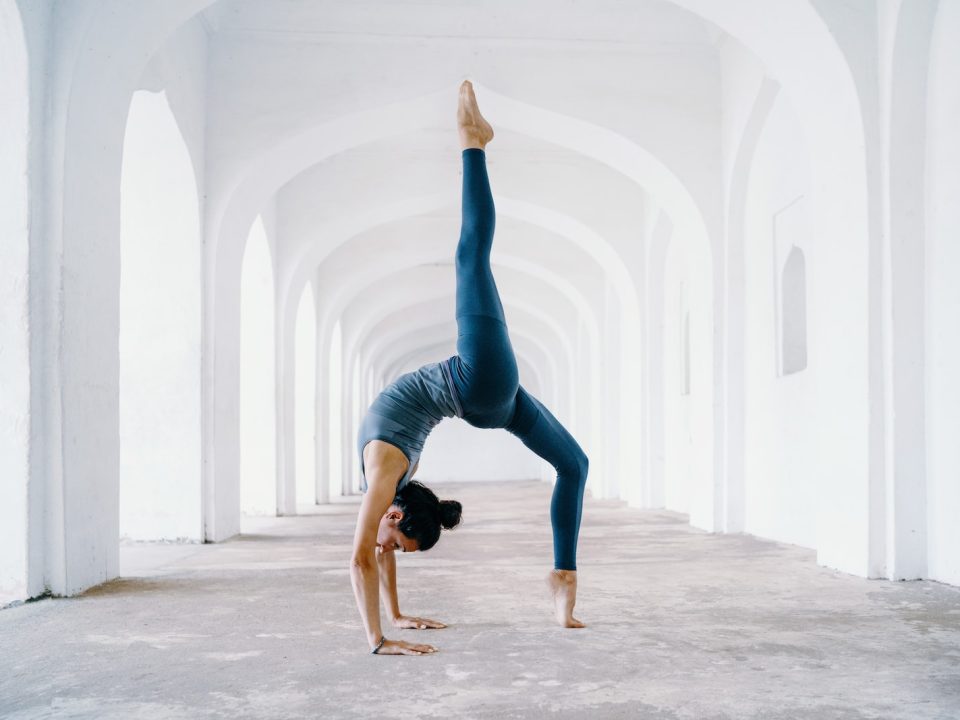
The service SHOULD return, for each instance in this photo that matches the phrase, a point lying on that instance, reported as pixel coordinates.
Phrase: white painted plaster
(15, 410)
(747, 99)
(160, 293)
(784, 455)
(634, 151)
(41, 563)
(822, 92)
(87, 119)
(258, 494)
(334, 445)
(906, 493)
(942, 299)
(305, 394)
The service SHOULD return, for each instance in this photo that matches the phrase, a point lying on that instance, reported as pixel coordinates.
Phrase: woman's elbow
(361, 562)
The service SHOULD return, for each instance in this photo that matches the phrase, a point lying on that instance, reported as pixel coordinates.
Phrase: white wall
(679, 450)
(306, 383)
(258, 494)
(688, 387)
(15, 417)
(783, 461)
(402, 245)
(160, 491)
(943, 299)
(161, 255)
(336, 480)
(585, 139)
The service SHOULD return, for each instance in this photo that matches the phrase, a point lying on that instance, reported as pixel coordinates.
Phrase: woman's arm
(387, 562)
(388, 588)
(382, 470)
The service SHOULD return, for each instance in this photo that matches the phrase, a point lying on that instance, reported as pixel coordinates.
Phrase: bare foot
(563, 588)
(475, 132)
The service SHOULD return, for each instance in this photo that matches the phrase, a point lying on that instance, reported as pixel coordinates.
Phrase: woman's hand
(399, 647)
(405, 622)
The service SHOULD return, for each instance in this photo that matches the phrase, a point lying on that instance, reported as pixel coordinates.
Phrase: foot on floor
(563, 589)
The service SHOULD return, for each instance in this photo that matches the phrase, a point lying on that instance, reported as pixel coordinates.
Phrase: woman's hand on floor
(406, 622)
(399, 647)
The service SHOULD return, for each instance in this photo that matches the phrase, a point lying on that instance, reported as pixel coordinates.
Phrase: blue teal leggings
(485, 368)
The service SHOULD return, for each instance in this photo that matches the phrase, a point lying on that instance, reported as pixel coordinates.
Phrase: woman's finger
(428, 623)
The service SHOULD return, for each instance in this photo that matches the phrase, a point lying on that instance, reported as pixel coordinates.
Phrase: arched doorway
(160, 295)
(258, 487)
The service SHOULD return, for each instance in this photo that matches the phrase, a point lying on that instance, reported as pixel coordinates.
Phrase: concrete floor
(682, 624)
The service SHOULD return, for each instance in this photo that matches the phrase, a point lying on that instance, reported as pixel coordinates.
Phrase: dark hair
(424, 514)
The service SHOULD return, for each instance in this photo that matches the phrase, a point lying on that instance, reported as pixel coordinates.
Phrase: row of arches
(258, 435)
(683, 310)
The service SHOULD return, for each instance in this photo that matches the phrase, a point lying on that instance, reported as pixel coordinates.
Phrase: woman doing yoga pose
(479, 384)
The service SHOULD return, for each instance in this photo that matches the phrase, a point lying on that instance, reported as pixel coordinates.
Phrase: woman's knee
(577, 466)
(583, 466)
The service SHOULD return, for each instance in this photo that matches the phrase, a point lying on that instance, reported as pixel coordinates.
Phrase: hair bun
(450, 511)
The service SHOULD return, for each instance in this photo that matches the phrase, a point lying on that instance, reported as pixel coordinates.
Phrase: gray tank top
(407, 410)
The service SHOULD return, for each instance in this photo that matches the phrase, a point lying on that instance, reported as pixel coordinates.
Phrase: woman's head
(415, 519)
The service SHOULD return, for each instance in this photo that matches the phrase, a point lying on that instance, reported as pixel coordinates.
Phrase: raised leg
(476, 289)
(540, 431)
(486, 369)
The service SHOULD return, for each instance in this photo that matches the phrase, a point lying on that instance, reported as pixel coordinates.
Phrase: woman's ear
(395, 514)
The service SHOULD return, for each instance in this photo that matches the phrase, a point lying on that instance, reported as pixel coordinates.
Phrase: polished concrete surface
(681, 624)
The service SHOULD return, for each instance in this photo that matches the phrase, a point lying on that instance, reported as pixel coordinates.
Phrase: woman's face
(389, 537)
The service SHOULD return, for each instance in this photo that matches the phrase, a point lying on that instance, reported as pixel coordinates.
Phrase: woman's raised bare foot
(475, 132)
(563, 589)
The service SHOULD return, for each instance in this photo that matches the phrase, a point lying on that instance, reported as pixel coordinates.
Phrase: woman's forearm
(364, 576)
(388, 583)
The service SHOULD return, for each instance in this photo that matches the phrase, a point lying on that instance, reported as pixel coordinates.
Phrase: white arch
(345, 227)
(600, 143)
(332, 304)
(799, 51)
(96, 72)
(160, 412)
(258, 490)
(293, 155)
(731, 501)
(151, 28)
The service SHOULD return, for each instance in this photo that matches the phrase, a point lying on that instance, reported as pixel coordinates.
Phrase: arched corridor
(724, 245)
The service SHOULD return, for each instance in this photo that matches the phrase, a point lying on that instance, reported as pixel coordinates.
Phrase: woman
(479, 384)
